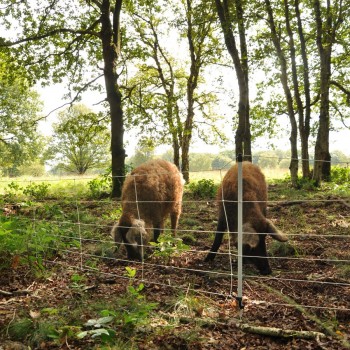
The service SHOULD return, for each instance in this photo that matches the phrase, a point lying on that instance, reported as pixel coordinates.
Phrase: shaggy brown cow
(150, 193)
(255, 224)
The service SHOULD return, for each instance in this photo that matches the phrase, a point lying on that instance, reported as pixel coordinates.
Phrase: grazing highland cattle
(255, 224)
(150, 193)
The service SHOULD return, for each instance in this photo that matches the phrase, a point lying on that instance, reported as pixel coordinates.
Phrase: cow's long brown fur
(254, 196)
(255, 224)
(151, 192)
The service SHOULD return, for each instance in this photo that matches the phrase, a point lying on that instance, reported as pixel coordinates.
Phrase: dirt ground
(309, 289)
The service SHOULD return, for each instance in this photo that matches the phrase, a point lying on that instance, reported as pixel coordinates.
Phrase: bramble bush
(23, 242)
(205, 188)
(37, 191)
(101, 186)
(340, 175)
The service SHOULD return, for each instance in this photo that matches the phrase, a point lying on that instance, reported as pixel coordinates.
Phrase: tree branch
(335, 106)
(343, 89)
(95, 2)
(4, 43)
(70, 103)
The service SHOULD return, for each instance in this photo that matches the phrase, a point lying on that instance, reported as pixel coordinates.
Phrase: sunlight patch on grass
(218, 175)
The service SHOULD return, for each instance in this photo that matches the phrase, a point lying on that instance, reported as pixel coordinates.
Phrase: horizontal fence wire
(188, 287)
(81, 233)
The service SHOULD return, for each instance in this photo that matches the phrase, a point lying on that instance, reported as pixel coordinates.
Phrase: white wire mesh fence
(76, 234)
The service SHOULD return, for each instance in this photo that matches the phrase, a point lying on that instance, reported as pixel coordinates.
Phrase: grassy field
(217, 175)
(65, 184)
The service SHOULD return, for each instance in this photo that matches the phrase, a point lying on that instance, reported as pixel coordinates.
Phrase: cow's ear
(273, 231)
(250, 236)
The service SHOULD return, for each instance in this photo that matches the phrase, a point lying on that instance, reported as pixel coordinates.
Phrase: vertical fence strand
(240, 233)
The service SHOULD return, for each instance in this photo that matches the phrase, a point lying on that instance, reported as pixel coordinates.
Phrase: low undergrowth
(63, 288)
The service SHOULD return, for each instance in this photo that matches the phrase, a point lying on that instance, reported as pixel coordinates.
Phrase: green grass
(215, 175)
(58, 187)
(77, 186)
(218, 175)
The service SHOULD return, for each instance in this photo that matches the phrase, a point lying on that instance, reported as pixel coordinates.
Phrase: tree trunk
(174, 123)
(243, 134)
(191, 86)
(176, 150)
(324, 40)
(175, 130)
(110, 36)
(185, 164)
(244, 86)
(187, 133)
(304, 119)
(284, 80)
(297, 96)
(322, 155)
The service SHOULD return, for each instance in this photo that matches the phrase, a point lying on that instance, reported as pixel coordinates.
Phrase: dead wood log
(279, 332)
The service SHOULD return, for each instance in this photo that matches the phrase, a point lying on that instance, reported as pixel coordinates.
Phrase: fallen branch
(16, 292)
(278, 332)
(107, 280)
(318, 202)
(328, 330)
(87, 288)
(277, 206)
(203, 321)
(4, 292)
(267, 331)
(342, 201)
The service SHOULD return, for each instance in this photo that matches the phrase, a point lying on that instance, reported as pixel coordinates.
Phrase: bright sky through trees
(53, 97)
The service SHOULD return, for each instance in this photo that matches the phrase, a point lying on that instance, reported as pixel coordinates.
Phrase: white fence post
(240, 233)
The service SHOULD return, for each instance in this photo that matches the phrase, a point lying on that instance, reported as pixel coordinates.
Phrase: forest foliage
(216, 71)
